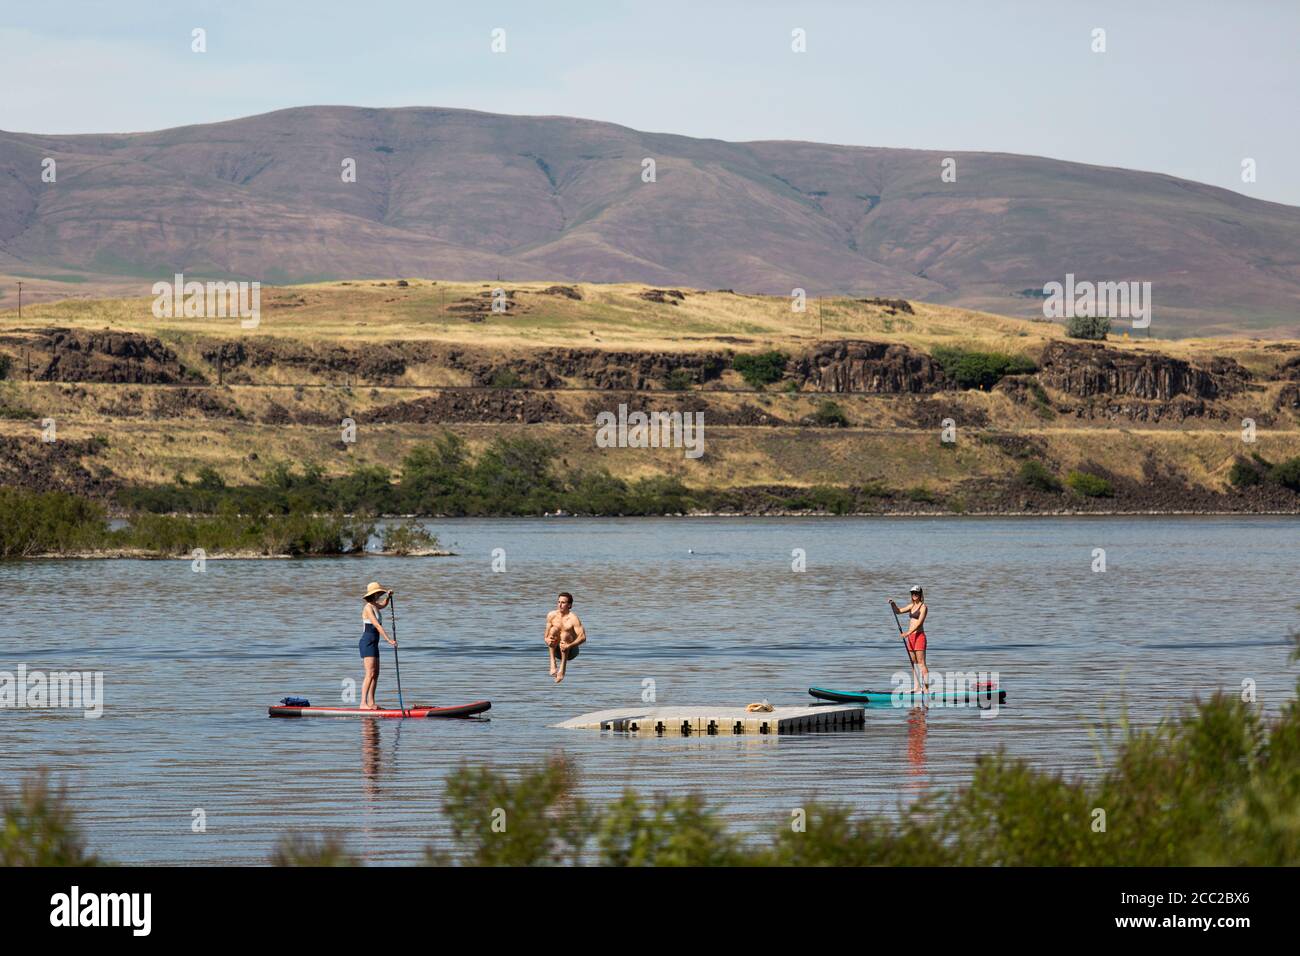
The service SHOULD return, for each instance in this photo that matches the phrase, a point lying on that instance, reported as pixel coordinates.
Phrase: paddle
(911, 662)
(392, 611)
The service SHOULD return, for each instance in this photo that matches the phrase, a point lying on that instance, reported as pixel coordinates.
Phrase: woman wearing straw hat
(376, 598)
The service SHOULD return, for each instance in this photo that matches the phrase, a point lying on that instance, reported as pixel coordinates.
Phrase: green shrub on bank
(830, 415)
(406, 537)
(294, 534)
(1089, 485)
(57, 523)
(762, 368)
(1093, 327)
(1246, 473)
(48, 522)
(982, 370)
(1287, 474)
(507, 378)
(679, 380)
(1034, 474)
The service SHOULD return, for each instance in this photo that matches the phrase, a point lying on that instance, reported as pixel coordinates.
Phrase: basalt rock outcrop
(871, 367)
(684, 402)
(491, 406)
(1087, 370)
(1175, 410)
(119, 358)
(1289, 371)
(164, 403)
(54, 466)
(380, 363)
(1288, 399)
(892, 306)
(548, 368)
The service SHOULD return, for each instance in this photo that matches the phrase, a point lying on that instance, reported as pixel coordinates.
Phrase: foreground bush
(37, 828)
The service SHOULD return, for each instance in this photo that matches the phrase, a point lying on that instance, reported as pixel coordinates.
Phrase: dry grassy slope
(609, 316)
(884, 445)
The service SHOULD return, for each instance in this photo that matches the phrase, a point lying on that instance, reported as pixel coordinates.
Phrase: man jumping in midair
(564, 635)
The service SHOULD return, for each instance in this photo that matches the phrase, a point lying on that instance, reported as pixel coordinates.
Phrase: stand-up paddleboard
(463, 710)
(978, 694)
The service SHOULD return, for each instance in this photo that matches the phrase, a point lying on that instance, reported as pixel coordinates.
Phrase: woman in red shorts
(915, 637)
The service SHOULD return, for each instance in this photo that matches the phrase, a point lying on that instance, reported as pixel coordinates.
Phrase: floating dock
(720, 720)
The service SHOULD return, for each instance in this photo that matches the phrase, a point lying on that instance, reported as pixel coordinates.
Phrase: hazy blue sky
(1187, 88)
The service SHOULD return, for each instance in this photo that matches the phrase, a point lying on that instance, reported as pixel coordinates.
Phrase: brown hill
(460, 194)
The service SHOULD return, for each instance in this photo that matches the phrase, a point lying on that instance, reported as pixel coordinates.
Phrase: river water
(701, 611)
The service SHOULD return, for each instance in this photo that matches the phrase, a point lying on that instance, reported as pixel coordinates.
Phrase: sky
(1187, 88)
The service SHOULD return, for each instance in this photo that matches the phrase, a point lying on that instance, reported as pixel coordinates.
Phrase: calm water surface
(190, 661)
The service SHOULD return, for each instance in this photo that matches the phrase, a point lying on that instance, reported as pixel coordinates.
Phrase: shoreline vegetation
(57, 524)
(1218, 785)
(857, 405)
(303, 512)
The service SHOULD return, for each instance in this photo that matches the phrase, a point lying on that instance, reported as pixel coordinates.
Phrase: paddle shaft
(911, 662)
(392, 611)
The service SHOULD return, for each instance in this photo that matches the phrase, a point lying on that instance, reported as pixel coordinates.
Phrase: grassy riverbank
(51, 524)
(302, 511)
(839, 407)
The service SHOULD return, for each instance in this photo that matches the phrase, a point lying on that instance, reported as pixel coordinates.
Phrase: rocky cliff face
(1087, 370)
(872, 367)
(497, 405)
(123, 358)
(684, 402)
(379, 364)
(593, 368)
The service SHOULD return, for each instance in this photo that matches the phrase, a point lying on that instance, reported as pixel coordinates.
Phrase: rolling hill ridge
(465, 195)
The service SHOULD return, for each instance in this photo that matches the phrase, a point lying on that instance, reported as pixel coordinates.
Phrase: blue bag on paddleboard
(295, 701)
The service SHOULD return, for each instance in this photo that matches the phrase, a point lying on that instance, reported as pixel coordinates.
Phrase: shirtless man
(564, 634)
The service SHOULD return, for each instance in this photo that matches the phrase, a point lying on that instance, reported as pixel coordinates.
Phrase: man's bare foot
(559, 676)
(553, 669)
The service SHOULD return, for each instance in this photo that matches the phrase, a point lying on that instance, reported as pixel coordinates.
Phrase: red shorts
(916, 641)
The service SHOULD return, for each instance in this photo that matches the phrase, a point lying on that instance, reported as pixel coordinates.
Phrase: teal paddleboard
(978, 694)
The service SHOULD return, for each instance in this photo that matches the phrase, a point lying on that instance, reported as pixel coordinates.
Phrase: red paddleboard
(463, 710)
